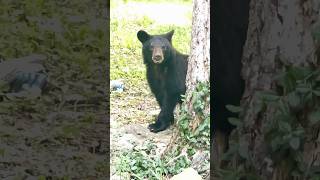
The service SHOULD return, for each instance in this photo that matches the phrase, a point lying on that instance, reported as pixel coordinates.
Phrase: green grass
(126, 60)
(73, 42)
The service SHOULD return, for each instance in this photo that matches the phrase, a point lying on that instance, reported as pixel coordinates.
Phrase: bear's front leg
(165, 118)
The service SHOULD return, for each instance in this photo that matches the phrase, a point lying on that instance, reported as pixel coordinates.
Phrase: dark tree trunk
(279, 35)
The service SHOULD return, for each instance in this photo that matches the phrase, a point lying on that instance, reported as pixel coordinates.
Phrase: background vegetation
(63, 133)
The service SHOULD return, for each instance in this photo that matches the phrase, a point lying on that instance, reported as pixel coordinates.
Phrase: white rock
(115, 177)
(126, 141)
(188, 173)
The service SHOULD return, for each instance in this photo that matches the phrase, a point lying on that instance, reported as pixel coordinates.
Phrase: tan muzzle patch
(157, 55)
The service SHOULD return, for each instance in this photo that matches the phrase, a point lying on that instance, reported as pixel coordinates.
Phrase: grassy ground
(61, 135)
(136, 103)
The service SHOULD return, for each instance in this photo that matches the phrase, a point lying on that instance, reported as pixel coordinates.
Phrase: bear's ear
(143, 36)
(169, 35)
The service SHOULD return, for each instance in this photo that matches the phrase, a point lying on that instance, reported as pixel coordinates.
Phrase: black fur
(230, 22)
(166, 78)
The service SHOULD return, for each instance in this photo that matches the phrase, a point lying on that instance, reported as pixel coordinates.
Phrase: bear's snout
(157, 58)
(157, 55)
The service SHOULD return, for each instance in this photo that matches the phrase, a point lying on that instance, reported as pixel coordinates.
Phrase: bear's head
(156, 48)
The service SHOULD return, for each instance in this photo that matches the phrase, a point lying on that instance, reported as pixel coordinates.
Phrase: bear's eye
(151, 48)
(164, 47)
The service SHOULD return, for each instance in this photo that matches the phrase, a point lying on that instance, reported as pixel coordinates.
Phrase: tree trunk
(199, 59)
(279, 35)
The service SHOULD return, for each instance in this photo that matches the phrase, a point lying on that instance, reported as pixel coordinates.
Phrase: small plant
(295, 107)
(196, 131)
(143, 163)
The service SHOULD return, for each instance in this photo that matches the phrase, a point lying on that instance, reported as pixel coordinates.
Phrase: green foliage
(74, 40)
(295, 108)
(72, 130)
(61, 35)
(299, 90)
(143, 163)
(316, 33)
(236, 174)
(200, 136)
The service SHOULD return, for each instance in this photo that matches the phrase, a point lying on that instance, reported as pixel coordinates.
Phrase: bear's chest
(159, 73)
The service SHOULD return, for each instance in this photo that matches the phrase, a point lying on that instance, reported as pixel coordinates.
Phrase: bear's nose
(157, 57)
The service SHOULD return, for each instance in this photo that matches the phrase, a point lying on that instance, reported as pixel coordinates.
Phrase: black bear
(229, 35)
(166, 75)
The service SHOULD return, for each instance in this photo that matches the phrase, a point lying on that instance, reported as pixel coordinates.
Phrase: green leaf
(275, 143)
(232, 150)
(243, 150)
(259, 106)
(235, 121)
(300, 72)
(316, 34)
(269, 96)
(295, 143)
(284, 107)
(316, 92)
(314, 117)
(202, 126)
(2, 152)
(309, 96)
(235, 109)
(71, 130)
(293, 99)
(284, 126)
(41, 177)
(303, 88)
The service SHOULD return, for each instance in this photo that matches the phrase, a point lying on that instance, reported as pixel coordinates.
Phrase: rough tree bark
(279, 34)
(199, 60)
